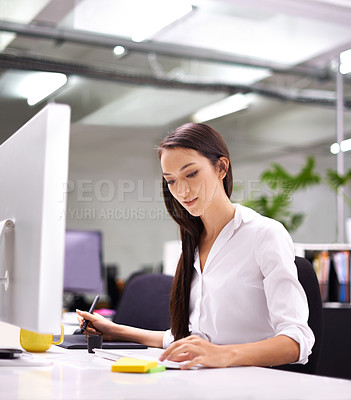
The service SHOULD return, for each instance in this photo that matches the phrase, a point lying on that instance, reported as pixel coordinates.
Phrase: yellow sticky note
(127, 364)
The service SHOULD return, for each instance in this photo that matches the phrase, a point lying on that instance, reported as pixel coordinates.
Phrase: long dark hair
(210, 144)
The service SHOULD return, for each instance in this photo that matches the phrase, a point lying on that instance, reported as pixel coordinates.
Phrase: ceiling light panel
(148, 107)
(345, 145)
(219, 73)
(18, 11)
(33, 86)
(43, 84)
(229, 105)
(135, 19)
(280, 38)
(345, 62)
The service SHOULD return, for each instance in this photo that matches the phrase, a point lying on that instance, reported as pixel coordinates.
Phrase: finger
(85, 314)
(91, 325)
(165, 355)
(183, 357)
(174, 346)
(185, 348)
(195, 361)
(90, 331)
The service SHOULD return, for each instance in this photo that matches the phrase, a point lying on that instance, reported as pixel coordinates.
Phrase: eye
(170, 182)
(192, 174)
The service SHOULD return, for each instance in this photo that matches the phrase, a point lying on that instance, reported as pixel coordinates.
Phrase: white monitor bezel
(33, 175)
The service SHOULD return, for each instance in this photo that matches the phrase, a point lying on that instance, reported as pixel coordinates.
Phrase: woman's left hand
(197, 351)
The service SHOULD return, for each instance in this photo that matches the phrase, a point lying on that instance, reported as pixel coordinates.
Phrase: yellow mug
(38, 342)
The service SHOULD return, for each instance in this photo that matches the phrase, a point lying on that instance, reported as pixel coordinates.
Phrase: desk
(76, 374)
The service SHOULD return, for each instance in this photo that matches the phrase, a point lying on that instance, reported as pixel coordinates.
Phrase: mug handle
(61, 337)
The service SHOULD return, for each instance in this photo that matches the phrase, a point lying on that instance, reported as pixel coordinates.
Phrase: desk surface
(76, 374)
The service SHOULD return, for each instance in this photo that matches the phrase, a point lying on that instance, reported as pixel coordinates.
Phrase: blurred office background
(279, 59)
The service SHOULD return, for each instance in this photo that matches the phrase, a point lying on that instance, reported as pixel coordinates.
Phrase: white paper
(151, 354)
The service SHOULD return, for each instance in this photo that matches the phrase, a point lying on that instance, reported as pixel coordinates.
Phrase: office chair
(309, 282)
(145, 302)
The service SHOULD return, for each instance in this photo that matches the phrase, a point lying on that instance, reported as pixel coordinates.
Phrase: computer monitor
(33, 177)
(83, 262)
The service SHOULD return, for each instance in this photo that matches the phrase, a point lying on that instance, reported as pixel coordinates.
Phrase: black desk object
(335, 359)
(80, 342)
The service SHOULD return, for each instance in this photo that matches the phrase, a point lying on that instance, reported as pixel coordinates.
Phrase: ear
(222, 167)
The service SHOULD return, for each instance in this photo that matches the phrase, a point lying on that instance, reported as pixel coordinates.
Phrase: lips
(191, 202)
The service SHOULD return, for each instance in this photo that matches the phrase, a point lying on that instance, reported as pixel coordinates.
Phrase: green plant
(337, 181)
(277, 200)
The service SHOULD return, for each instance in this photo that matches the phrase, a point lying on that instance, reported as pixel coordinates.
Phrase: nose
(182, 189)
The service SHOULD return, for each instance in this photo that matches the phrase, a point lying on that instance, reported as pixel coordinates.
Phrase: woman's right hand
(98, 325)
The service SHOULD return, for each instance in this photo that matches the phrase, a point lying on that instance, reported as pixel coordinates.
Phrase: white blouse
(248, 290)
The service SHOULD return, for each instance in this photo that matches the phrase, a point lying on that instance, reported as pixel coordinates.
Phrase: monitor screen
(33, 177)
(83, 262)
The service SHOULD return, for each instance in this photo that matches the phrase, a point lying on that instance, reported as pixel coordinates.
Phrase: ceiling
(280, 52)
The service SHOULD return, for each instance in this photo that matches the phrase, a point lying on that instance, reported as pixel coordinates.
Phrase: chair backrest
(145, 302)
(309, 282)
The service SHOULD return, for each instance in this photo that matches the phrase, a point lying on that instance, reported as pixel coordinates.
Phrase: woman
(236, 299)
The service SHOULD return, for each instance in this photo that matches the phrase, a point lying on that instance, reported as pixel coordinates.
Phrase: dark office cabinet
(335, 359)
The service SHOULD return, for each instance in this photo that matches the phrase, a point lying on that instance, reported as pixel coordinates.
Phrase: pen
(91, 310)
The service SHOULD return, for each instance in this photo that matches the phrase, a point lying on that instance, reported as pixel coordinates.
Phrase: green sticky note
(159, 368)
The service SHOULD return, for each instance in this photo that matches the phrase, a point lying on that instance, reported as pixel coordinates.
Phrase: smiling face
(192, 180)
